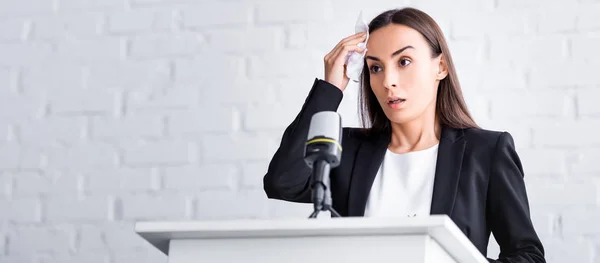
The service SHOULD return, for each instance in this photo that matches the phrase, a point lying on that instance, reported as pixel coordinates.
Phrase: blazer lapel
(449, 161)
(368, 160)
(447, 171)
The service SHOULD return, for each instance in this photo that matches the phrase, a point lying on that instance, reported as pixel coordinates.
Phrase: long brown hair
(451, 109)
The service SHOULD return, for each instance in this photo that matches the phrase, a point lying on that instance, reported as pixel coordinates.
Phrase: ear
(442, 68)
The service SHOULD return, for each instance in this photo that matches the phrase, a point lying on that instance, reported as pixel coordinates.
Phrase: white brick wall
(113, 111)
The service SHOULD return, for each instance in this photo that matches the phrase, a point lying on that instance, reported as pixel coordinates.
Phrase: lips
(395, 99)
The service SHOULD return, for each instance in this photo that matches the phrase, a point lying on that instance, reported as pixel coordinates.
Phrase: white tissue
(354, 60)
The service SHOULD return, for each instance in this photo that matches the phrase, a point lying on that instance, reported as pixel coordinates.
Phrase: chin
(399, 117)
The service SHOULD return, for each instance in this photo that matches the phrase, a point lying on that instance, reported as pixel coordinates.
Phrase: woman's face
(401, 66)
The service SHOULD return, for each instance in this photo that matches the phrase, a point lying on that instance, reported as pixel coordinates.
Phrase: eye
(404, 62)
(374, 69)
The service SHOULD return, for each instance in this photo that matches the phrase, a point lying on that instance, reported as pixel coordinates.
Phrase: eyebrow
(393, 54)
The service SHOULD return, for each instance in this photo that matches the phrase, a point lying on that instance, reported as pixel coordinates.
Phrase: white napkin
(354, 60)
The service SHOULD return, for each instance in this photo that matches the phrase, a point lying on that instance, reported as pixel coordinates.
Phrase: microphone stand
(321, 193)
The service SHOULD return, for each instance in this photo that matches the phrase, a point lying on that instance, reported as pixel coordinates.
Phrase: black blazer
(478, 179)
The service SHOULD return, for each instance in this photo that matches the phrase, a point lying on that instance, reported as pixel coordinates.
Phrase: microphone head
(324, 138)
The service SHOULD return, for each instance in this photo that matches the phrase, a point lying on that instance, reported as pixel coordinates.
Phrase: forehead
(386, 40)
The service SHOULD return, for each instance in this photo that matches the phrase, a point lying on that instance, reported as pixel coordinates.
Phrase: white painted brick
(127, 127)
(140, 20)
(160, 45)
(568, 250)
(532, 104)
(128, 75)
(585, 162)
(495, 76)
(25, 7)
(50, 77)
(217, 13)
(238, 146)
(282, 64)
(548, 23)
(85, 25)
(15, 156)
(587, 17)
(268, 117)
(253, 173)
(198, 178)
(70, 209)
(51, 130)
(51, 183)
(181, 97)
(83, 101)
(225, 205)
(581, 221)
(527, 51)
(467, 52)
(93, 257)
(553, 134)
(20, 210)
(531, 4)
(81, 5)
(293, 11)
(21, 258)
(147, 256)
(583, 47)
(24, 54)
(117, 236)
(114, 181)
(569, 74)
(203, 119)
(587, 104)
(84, 156)
(12, 29)
(6, 80)
(90, 238)
(199, 69)
(163, 207)
(293, 91)
(315, 35)
(242, 40)
(237, 90)
(6, 186)
(55, 239)
(161, 152)
(560, 194)
(5, 132)
(505, 23)
(544, 162)
(90, 51)
(15, 107)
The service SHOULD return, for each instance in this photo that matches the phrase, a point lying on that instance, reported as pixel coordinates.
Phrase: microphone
(323, 152)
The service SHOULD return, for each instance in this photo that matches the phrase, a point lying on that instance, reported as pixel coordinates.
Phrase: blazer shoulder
(487, 138)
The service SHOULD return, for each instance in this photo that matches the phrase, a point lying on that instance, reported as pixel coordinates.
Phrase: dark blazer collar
(449, 161)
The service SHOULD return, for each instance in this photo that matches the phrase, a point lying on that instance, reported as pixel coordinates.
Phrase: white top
(403, 186)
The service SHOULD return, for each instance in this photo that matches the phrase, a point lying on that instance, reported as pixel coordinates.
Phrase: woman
(423, 153)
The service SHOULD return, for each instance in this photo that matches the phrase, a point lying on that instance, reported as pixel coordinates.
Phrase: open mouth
(396, 100)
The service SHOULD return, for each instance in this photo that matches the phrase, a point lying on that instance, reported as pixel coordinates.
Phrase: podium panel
(420, 240)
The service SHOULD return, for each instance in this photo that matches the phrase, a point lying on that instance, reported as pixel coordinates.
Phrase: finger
(344, 51)
(358, 37)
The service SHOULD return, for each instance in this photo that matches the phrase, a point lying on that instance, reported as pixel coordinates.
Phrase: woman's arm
(288, 176)
(508, 207)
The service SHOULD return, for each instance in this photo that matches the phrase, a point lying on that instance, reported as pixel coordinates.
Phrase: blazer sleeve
(508, 208)
(288, 176)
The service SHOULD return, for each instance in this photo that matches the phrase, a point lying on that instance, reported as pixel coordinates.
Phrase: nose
(390, 79)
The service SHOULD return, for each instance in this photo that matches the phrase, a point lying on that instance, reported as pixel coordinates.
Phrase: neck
(415, 135)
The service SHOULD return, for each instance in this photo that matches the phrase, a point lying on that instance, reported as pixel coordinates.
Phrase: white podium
(348, 239)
